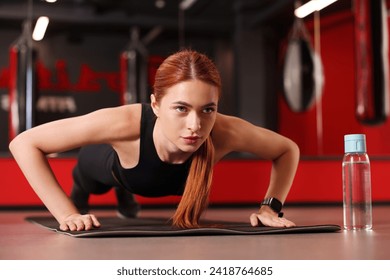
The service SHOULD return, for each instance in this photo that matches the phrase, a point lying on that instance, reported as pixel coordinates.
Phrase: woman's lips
(191, 139)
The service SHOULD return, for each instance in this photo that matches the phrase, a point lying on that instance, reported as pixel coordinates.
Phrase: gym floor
(21, 240)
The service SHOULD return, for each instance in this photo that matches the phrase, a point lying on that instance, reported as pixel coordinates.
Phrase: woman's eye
(181, 109)
(208, 110)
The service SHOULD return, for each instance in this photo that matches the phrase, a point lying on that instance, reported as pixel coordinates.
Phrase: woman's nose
(193, 122)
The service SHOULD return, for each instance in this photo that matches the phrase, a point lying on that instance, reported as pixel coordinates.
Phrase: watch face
(276, 205)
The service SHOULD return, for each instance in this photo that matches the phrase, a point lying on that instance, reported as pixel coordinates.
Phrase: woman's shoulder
(122, 114)
(132, 109)
(115, 123)
(226, 124)
(235, 134)
(126, 118)
(224, 133)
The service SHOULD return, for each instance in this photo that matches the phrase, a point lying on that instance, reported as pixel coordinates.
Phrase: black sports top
(151, 177)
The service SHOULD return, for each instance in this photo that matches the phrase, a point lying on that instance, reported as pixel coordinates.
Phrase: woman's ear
(154, 104)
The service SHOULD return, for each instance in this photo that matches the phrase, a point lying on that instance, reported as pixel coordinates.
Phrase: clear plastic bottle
(357, 204)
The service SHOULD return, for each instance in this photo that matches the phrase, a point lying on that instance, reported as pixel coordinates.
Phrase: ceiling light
(186, 4)
(310, 7)
(51, 1)
(159, 4)
(40, 28)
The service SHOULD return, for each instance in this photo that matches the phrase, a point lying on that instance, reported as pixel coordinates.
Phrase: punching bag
(302, 71)
(372, 73)
(133, 80)
(133, 69)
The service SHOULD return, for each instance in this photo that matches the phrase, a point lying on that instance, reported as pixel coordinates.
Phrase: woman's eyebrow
(211, 104)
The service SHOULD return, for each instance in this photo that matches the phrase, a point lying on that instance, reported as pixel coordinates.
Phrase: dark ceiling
(209, 17)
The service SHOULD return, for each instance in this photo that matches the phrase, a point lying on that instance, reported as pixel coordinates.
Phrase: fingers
(257, 219)
(94, 222)
(281, 222)
(254, 220)
(287, 223)
(79, 222)
(64, 227)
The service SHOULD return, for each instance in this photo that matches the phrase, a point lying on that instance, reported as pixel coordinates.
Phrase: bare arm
(38, 173)
(31, 147)
(234, 134)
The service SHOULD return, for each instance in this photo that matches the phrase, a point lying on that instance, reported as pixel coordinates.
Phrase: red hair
(183, 66)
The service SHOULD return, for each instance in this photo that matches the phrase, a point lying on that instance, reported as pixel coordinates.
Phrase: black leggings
(93, 175)
(93, 172)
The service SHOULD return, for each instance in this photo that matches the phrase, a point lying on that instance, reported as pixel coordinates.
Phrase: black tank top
(151, 177)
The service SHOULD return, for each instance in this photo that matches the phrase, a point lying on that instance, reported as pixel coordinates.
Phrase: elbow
(295, 149)
(13, 145)
(18, 144)
(288, 151)
(294, 152)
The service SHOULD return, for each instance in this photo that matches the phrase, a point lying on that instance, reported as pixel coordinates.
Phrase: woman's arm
(234, 134)
(31, 147)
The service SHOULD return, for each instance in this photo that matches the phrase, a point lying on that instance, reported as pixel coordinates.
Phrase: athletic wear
(93, 174)
(151, 177)
(98, 170)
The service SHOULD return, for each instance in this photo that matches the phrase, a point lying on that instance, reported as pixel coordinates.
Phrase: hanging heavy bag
(302, 71)
(372, 73)
(134, 72)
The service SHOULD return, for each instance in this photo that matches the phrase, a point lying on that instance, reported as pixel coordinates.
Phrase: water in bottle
(356, 184)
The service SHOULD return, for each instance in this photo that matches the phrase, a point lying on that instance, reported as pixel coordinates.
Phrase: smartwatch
(274, 204)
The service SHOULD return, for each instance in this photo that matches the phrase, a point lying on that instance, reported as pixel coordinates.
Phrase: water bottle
(357, 207)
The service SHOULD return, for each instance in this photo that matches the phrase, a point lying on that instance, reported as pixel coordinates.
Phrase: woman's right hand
(78, 222)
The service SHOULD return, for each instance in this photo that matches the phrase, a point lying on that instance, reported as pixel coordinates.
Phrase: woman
(167, 147)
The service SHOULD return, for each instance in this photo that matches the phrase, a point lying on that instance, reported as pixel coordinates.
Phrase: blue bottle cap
(355, 143)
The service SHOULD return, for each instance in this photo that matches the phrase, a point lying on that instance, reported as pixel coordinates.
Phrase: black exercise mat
(143, 227)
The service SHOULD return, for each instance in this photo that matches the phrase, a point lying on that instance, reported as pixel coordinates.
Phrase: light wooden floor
(21, 240)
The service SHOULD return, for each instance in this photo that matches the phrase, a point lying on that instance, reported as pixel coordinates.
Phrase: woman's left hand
(267, 217)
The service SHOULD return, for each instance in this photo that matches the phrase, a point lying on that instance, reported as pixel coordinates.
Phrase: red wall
(338, 100)
(235, 181)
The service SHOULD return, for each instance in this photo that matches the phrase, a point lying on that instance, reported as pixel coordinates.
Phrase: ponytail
(187, 65)
(197, 189)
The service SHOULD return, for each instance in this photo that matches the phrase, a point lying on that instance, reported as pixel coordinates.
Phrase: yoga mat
(144, 227)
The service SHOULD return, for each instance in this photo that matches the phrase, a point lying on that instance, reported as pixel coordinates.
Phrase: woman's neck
(166, 150)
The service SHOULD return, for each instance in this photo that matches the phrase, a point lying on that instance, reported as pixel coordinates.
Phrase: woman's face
(186, 115)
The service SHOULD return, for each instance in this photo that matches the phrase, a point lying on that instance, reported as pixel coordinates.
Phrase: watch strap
(273, 203)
